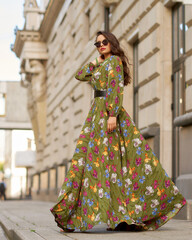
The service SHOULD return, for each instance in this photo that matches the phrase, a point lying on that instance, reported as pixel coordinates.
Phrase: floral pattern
(114, 177)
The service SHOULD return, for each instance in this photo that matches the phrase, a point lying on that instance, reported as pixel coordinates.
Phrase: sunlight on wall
(21, 140)
(2, 145)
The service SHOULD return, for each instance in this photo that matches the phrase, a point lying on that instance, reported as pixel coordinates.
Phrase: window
(107, 15)
(178, 42)
(179, 29)
(135, 82)
(2, 104)
(179, 92)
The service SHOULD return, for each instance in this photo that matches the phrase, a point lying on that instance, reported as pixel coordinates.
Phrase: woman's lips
(103, 49)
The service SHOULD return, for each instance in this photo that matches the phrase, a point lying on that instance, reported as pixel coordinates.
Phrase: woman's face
(103, 49)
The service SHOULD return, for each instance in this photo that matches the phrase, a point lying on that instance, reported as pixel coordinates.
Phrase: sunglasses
(98, 44)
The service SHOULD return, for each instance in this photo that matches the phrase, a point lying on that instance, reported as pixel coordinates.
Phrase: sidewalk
(32, 220)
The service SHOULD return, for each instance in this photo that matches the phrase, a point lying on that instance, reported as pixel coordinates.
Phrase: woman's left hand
(111, 124)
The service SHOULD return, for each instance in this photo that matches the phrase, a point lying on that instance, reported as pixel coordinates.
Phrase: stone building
(17, 148)
(58, 38)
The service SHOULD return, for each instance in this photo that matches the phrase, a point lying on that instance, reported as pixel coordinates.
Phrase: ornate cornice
(50, 17)
(21, 37)
(110, 2)
(47, 23)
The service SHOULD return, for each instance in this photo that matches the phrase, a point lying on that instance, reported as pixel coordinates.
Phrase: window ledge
(183, 120)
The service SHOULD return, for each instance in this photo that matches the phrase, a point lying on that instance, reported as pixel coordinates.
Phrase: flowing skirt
(115, 177)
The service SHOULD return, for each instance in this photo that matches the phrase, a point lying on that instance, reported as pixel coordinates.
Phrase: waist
(100, 93)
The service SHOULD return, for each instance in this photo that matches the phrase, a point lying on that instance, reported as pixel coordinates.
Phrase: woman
(114, 176)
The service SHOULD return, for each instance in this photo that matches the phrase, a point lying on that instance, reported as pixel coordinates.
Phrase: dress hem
(139, 226)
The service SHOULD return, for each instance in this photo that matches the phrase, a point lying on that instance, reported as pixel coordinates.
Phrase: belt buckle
(99, 93)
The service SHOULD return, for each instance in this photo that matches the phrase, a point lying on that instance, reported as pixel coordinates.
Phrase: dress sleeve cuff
(91, 66)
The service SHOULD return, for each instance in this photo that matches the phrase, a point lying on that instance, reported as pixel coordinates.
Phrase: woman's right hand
(100, 60)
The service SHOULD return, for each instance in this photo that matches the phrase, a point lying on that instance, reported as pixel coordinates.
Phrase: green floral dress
(114, 176)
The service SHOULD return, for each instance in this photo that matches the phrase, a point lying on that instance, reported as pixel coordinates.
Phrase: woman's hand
(100, 60)
(111, 124)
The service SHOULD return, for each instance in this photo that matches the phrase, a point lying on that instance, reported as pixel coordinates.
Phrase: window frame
(4, 97)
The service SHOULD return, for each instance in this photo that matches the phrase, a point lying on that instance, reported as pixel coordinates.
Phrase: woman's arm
(84, 73)
(115, 86)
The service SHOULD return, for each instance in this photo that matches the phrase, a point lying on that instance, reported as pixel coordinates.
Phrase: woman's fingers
(111, 127)
(108, 127)
(111, 124)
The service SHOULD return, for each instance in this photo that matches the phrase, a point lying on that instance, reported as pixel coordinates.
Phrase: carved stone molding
(32, 14)
(38, 78)
(30, 102)
(30, 4)
(110, 2)
(21, 37)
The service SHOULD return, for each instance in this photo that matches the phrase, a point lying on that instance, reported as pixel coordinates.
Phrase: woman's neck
(108, 55)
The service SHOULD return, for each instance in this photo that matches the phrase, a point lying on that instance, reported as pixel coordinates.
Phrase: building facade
(17, 148)
(58, 38)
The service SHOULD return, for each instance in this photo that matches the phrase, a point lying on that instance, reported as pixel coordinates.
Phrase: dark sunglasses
(98, 44)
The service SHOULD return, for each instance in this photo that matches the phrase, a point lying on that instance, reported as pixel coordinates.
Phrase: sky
(11, 14)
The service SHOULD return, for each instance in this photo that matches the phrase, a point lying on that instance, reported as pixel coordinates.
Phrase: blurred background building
(17, 148)
(58, 38)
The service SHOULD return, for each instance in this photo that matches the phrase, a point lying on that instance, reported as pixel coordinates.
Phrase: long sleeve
(115, 86)
(84, 73)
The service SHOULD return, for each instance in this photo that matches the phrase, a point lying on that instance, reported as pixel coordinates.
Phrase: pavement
(32, 220)
(2, 234)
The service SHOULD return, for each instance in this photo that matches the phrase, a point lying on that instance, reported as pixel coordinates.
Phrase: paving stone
(32, 220)
(2, 234)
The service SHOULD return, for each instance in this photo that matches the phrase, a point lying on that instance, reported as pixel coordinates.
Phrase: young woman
(114, 176)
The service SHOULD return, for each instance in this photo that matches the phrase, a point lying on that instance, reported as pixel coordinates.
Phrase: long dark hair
(117, 50)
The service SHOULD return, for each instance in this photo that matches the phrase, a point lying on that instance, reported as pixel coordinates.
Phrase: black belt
(100, 93)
